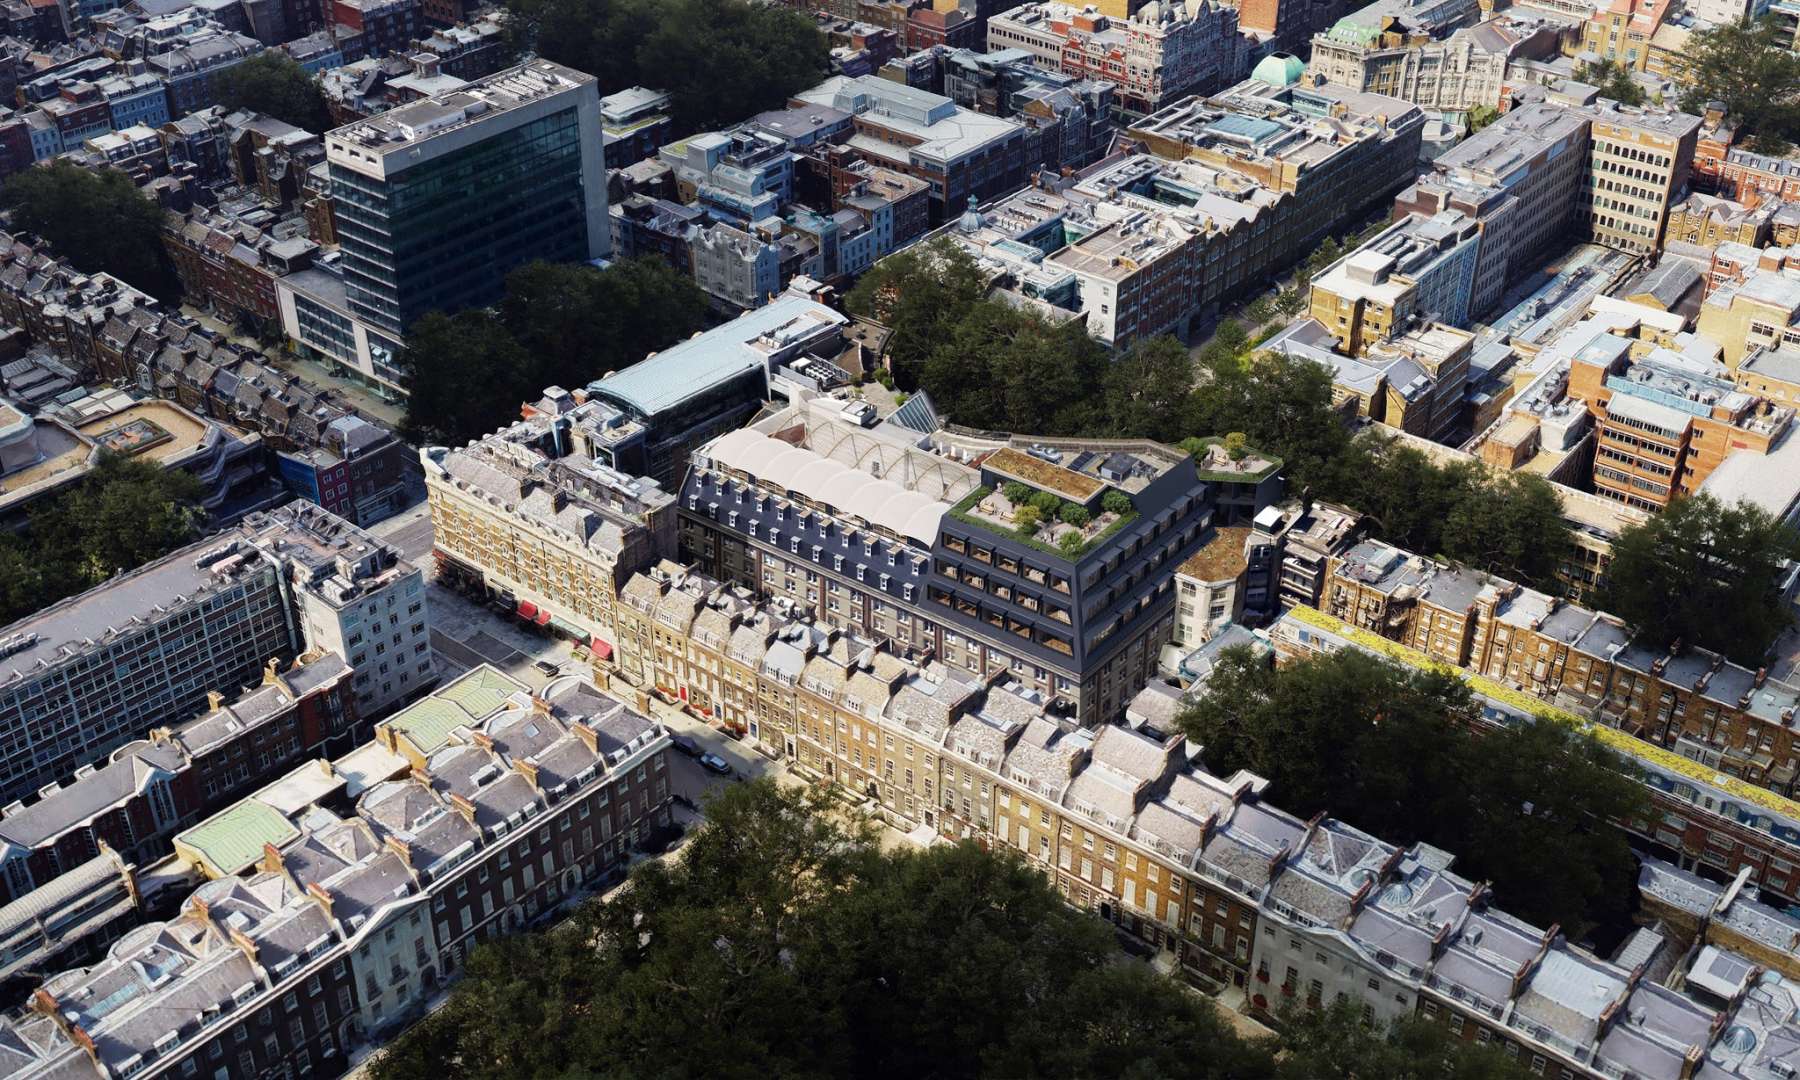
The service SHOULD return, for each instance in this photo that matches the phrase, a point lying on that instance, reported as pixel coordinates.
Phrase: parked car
(686, 745)
(715, 763)
(548, 667)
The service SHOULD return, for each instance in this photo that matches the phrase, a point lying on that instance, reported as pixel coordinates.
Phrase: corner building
(901, 532)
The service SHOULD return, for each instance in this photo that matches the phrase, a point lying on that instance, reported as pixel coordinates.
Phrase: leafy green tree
(1282, 405)
(1481, 116)
(29, 580)
(1706, 573)
(96, 219)
(1015, 492)
(1510, 525)
(1770, 143)
(1232, 337)
(124, 513)
(1148, 390)
(1046, 501)
(578, 323)
(1750, 69)
(274, 84)
(1072, 514)
(1072, 545)
(1404, 754)
(1542, 795)
(1009, 369)
(719, 60)
(786, 944)
(1115, 502)
(722, 60)
(1613, 80)
(1027, 518)
(1333, 1043)
(983, 970)
(559, 324)
(921, 294)
(128, 511)
(1250, 710)
(466, 376)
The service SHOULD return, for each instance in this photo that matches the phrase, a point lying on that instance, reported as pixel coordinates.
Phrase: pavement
(357, 394)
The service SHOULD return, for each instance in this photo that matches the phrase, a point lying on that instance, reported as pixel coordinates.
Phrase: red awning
(527, 610)
(543, 618)
(601, 649)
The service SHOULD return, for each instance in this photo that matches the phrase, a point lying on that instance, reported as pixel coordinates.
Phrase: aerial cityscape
(1219, 539)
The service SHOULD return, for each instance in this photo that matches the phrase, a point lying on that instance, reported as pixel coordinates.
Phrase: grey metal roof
(707, 360)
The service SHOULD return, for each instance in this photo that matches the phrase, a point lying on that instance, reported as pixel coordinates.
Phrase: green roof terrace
(232, 840)
(423, 727)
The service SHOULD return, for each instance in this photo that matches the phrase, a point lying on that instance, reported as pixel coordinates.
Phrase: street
(310, 372)
(464, 634)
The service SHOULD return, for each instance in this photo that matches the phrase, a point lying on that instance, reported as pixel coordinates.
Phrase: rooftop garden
(1230, 460)
(1041, 520)
(1043, 474)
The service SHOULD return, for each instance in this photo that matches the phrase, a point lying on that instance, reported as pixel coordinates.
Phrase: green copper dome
(1279, 69)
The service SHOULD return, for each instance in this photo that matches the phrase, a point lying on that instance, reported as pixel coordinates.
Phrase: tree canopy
(990, 364)
(785, 943)
(123, 514)
(466, 376)
(719, 60)
(559, 324)
(1703, 572)
(1613, 80)
(274, 84)
(585, 322)
(1509, 524)
(922, 294)
(1750, 69)
(1282, 405)
(1401, 754)
(96, 219)
(1333, 1043)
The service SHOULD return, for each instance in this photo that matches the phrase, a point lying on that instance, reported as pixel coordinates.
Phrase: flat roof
(1646, 411)
(169, 582)
(428, 722)
(1220, 559)
(1770, 481)
(232, 840)
(301, 788)
(944, 130)
(156, 430)
(484, 99)
(60, 451)
(368, 765)
(1043, 474)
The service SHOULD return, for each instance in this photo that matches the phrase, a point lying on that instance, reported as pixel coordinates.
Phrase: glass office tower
(438, 200)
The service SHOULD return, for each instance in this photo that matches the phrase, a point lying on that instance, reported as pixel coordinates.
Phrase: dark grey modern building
(909, 531)
(437, 200)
